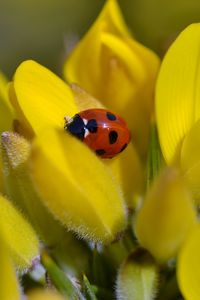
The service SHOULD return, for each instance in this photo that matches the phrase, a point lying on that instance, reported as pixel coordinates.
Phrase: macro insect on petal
(103, 131)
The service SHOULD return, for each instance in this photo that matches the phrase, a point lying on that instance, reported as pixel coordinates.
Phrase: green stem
(154, 157)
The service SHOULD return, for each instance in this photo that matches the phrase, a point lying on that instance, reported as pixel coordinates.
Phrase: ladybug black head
(76, 127)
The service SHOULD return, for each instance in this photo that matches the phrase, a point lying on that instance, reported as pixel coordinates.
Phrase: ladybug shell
(104, 132)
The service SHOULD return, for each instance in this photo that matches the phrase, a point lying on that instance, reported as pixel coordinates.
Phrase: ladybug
(103, 131)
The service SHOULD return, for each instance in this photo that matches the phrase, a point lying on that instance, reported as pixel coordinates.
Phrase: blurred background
(45, 30)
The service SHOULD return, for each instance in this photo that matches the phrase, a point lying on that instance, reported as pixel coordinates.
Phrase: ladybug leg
(67, 119)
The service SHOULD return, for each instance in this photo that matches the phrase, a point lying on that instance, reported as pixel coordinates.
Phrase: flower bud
(137, 277)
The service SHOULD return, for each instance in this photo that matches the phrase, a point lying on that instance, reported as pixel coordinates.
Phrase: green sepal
(89, 290)
(61, 281)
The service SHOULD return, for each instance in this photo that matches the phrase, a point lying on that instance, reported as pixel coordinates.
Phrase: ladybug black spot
(100, 151)
(111, 116)
(122, 149)
(113, 135)
(92, 126)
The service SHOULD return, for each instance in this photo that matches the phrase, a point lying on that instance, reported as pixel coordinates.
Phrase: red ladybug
(103, 131)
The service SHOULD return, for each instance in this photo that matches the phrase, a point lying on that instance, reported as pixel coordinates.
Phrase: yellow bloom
(177, 105)
(9, 288)
(166, 216)
(188, 271)
(137, 276)
(41, 101)
(115, 68)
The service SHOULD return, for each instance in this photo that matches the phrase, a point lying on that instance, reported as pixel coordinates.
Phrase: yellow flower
(41, 101)
(166, 217)
(116, 69)
(178, 108)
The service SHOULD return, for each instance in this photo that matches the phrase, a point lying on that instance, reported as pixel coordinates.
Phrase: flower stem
(154, 157)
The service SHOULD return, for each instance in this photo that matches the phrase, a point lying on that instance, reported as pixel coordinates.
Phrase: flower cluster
(127, 227)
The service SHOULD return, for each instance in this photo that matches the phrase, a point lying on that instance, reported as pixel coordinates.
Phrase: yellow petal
(190, 160)
(77, 187)
(166, 216)
(115, 23)
(137, 277)
(83, 99)
(177, 91)
(44, 295)
(20, 123)
(20, 237)
(124, 54)
(3, 84)
(42, 98)
(6, 111)
(127, 169)
(117, 70)
(9, 289)
(109, 20)
(188, 271)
